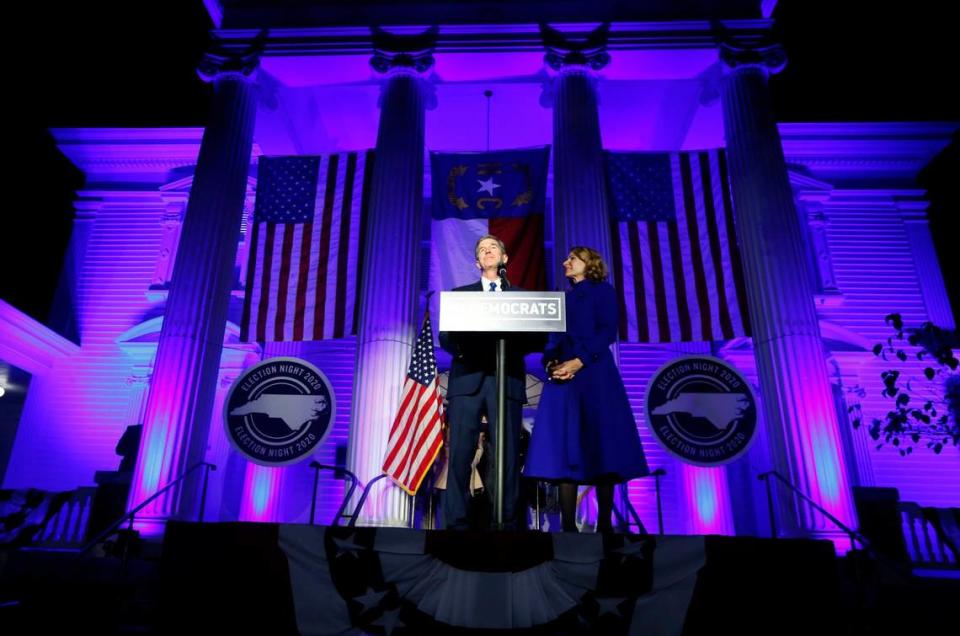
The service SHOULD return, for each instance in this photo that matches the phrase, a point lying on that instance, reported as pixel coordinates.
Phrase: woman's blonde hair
(596, 268)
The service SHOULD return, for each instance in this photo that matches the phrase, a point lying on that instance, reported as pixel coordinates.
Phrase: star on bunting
(631, 550)
(370, 600)
(609, 606)
(389, 621)
(347, 546)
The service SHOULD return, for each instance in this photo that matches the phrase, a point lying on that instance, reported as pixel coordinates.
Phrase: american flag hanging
(676, 263)
(305, 241)
(416, 435)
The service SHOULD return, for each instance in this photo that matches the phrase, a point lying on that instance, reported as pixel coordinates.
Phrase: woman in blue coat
(584, 431)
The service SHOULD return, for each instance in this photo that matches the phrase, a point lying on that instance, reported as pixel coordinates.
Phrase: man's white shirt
(485, 282)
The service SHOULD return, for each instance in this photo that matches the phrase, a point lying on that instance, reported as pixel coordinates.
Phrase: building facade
(830, 223)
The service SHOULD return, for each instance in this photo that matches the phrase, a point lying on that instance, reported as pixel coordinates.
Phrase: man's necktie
(493, 286)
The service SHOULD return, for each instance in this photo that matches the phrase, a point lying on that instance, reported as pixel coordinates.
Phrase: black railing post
(657, 474)
(203, 493)
(536, 506)
(313, 493)
(770, 511)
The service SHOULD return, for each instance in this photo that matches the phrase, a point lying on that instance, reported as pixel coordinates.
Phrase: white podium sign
(507, 311)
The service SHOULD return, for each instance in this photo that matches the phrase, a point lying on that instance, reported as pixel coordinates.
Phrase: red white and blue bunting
(398, 581)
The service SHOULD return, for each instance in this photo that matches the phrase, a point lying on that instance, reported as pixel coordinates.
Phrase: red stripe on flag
(283, 282)
(431, 436)
(428, 429)
(425, 465)
(364, 206)
(408, 395)
(298, 271)
(680, 284)
(321, 295)
(707, 241)
(425, 419)
(643, 325)
(523, 237)
(617, 261)
(251, 276)
(413, 442)
(735, 262)
(660, 294)
(401, 425)
(714, 236)
(343, 247)
(410, 431)
(303, 273)
(266, 264)
(419, 427)
(696, 254)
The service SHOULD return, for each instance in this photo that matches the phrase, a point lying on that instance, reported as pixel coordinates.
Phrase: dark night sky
(110, 63)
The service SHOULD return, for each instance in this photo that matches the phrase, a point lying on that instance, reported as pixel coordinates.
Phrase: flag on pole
(416, 435)
(476, 193)
(676, 262)
(304, 266)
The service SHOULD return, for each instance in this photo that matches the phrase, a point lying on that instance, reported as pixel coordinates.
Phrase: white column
(580, 209)
(184, 380)
(388, 292)
(797, 399)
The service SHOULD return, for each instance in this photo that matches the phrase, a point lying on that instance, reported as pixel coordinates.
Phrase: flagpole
(501, 446)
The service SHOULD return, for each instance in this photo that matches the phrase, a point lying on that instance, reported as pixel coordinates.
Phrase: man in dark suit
(472, 392)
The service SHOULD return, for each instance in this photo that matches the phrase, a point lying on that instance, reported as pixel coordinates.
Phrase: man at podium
(472, 393)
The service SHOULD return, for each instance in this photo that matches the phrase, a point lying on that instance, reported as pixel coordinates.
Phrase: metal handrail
(630, 510)
(130, 515)
(852, 534)
(354, 480)
(363, 498)
(657, 474)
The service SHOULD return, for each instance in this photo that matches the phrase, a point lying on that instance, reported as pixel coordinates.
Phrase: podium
(502, 313)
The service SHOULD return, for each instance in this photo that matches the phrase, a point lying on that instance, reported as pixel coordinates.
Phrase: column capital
(223, 60)
(771, 59)
(403, 54)
(567, 54)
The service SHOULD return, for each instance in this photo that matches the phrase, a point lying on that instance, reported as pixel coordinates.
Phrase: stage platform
(267, 579)
(286, 579)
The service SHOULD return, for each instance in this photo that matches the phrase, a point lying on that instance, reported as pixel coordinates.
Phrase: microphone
(502, 273)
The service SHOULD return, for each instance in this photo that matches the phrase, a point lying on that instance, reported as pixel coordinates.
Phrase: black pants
(464, 422)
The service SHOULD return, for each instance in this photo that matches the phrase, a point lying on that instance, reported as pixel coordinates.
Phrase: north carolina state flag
(501, 193)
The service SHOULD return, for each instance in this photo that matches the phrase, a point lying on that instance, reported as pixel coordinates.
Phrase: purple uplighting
(833, 236)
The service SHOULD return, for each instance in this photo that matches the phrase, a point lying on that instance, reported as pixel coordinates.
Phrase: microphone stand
(500, 451)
